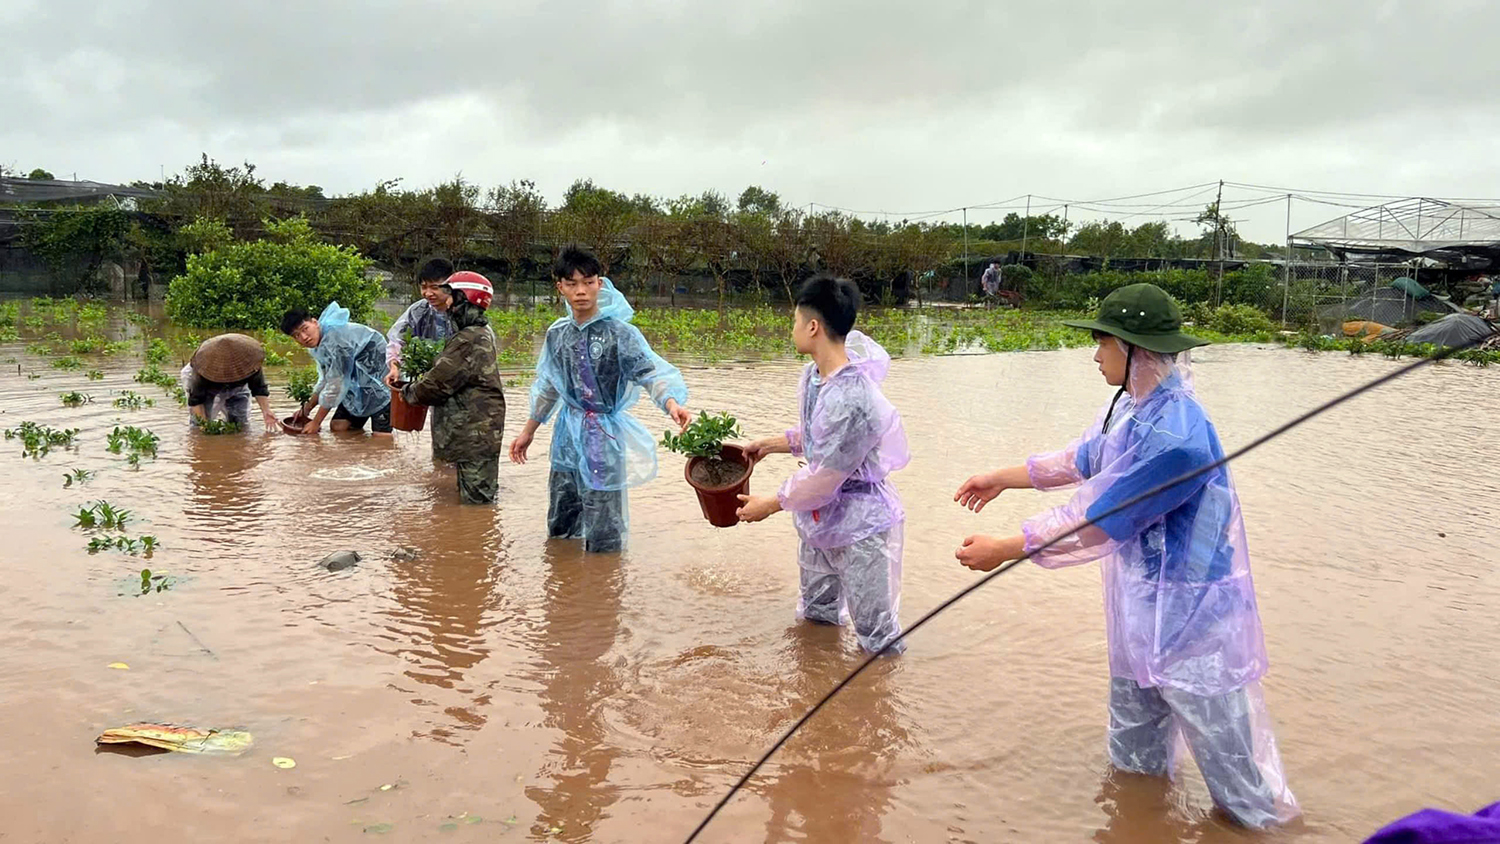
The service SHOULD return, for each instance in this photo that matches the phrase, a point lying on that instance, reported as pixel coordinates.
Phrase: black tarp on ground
(1453, 330)
(1387, 306)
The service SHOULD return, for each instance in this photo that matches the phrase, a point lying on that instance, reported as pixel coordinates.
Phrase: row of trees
(510, 230)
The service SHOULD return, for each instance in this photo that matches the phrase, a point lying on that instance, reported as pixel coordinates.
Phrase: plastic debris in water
(179, 738)
(284, 762)
(119, 666)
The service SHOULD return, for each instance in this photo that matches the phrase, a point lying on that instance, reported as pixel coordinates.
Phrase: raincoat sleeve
(447, 376)
(841, 435)
(662, 380)
(330, 387)
(794, 440)
(1153, 459)
(1062, 469)
(393, 341)
(544, 389)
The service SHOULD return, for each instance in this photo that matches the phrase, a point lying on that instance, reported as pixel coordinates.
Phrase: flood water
(507, 687)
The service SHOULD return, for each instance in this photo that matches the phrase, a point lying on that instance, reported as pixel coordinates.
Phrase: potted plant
(299, 388)
(417, 356)
(717, 472)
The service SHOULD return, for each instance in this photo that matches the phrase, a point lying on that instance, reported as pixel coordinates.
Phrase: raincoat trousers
(848, 515)
(589, 375)
(1186, 652)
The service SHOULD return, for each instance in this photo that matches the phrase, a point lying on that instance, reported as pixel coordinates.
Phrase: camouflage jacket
(464, 389)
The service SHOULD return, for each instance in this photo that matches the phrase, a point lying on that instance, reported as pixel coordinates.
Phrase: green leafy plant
(418, 355)
(75, 399)
(94, 375)
(89, 345)
(32, 376)
(78, 476)
(153, 581)
(704, 436)
(216, 427)
(67, 362)
(158, 351)
(101, 515)
(251, 284)
(273, 358)
(140, 442)
(38, 440)
(130, 400)
(300, 383)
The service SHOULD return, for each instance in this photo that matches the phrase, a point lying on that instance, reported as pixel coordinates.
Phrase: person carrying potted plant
(427, 318)
(848, 515)
(464, 382)
(351, 360)
(593, 365)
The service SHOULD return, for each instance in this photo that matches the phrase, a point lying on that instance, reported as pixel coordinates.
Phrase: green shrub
(1231, 319)
(250, 285)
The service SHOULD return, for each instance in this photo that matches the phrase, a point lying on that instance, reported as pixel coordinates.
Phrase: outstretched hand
(986, 553)
(979, 491)
(681, 415)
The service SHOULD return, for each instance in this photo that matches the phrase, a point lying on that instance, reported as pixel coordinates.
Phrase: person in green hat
(1186, 652)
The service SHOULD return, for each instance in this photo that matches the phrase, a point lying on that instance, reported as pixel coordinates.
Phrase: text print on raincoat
(1178, 600)
(596, 371)
(853, 439)
(351, 364)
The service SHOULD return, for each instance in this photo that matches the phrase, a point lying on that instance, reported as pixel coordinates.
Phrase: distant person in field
(848, 514)
(990, 281)
(592, 368)
(1186, 652)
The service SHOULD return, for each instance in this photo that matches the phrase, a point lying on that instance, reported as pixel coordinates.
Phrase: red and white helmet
(477, 289)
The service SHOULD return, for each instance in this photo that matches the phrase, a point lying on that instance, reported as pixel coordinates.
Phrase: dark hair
(435, 269)
(835, 300)
(575, 259)
(293, 318)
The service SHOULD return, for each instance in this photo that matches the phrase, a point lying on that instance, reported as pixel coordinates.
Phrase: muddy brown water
(511, 688)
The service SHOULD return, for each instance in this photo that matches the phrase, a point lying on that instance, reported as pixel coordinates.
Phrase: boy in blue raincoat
(593, 366)
(1186, 652)
(351, 365)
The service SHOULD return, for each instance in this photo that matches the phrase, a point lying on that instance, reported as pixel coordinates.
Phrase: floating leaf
(380, 828)
(387, 787)
(284, 762)
(473, 819)
(120, 666)
(179, 738)
(448, 827)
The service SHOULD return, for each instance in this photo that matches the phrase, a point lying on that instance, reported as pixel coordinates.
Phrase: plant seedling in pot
(704, 438)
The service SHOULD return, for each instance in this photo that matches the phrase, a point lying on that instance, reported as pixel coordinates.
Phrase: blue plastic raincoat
(1178, 600)
(595, 371)
(351, 364)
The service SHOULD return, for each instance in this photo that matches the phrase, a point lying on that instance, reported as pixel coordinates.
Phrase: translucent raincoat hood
(866, 356)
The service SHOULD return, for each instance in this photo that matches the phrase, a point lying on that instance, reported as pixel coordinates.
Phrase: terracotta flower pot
(293, 424)
(406, 417)
(720, 503)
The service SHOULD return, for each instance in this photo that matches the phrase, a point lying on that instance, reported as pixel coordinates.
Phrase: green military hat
(1142, 315)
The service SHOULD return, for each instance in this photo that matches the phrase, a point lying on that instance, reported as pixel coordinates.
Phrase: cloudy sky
(874, 105)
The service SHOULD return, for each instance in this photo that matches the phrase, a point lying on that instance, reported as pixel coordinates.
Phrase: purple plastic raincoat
(853, 439)
(1179, 604)
(1178, 601)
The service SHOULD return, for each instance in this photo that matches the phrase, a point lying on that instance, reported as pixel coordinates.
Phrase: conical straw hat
(228, 358)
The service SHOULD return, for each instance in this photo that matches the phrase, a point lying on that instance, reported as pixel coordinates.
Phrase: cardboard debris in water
(179, 738)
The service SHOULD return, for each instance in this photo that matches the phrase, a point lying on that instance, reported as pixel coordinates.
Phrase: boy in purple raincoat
(846, 510)
(1185, 648)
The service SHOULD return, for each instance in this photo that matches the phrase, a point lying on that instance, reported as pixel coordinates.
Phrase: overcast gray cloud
(878, 105)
